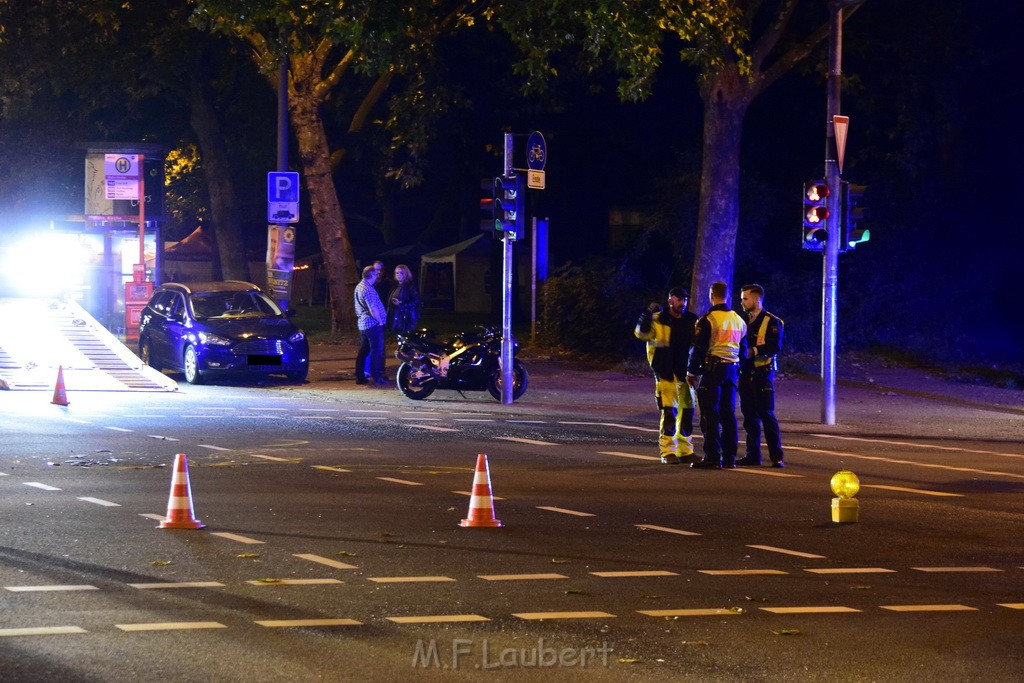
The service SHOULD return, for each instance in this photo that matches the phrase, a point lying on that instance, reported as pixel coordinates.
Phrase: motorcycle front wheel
(413, 383)
(520, 379)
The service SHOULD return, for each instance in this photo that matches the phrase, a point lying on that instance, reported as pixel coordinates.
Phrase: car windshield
(250, 304)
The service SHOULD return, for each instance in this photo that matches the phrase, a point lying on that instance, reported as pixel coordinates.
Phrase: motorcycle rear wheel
(415, 385)
(520, 380)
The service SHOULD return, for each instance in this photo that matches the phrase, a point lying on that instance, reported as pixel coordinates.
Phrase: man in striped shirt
(371, 316)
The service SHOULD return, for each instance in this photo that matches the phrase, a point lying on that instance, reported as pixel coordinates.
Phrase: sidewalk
(872, 399)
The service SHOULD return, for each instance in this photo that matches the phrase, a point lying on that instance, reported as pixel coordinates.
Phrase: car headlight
(214, 339)
(297, 337)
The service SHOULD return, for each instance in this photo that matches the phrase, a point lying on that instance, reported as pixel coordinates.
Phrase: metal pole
(830, 254)
(282, 114)
(142, 214)
(506, 297)
(533, 282)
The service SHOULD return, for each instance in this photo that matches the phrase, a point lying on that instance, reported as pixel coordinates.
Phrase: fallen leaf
(248, 556)
(344, 553)
(160, 563)
(558, 561)
(624, 660)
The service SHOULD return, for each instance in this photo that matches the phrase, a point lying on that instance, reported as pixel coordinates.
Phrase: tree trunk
(227, 226)
(339, 262)
(726, 100)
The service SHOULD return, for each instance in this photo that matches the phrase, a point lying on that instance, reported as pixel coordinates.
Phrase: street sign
(121, 176)
(536, 151)
(282, 197)
(535, 180)
(841, 125)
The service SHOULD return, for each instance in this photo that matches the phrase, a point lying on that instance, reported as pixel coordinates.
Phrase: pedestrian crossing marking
(325, 561)
(236, 537)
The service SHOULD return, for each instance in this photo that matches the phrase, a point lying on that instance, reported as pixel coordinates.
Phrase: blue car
(216, 329)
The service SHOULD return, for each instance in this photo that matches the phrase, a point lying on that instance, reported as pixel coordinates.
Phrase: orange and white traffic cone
(60, 396)
(179, 505)
(481, 502)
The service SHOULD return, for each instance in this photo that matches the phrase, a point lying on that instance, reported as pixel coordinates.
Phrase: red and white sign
(840, 124)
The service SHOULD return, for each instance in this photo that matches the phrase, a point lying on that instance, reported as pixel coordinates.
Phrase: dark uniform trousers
(716, 397)
(757, 402)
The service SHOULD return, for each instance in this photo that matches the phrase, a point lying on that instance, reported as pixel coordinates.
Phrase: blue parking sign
(283, 186)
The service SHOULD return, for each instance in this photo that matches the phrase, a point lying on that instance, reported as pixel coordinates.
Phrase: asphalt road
(332, 548)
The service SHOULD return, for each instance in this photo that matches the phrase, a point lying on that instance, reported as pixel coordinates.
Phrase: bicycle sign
(536, 151)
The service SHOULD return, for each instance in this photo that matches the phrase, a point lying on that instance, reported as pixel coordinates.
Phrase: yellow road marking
(293, 582)
(410, 579)
(170, 626)
(295, 623)
(784, 551)
(929, 608)
(810, 610)
(577, 513)
(181, 584)
(438, 619)
(236, 537)
(520, 577)
(563, 615)
(615, 575)
(41, 631)
(741, 572)
(714, 612)
(666, 529)
(325, 560)
(904, 489)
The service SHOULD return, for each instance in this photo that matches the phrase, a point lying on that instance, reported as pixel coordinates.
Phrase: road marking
(470, 493)
(319, 410)
(410, 579)
(44, 487)
(616, 575)
(766, 472)
(100, 501)
(577, 513)
(42, 631)
(419, 417)
(297, 623)
(152, 515)
(438, 619)
(809, 610)
(366, 417)
(903, 489)
(213, 448)
(474, 419)
(3, 474)
(328, 468)
(180, 584)
(635, 456)
(44, 589)
(773, 549)
(741, 572)
(564, 615)
(207, 417)
(713, 612)
(401, 481)
(368, 410)
(1012, 605)
(170, 626)
(118, 429)
(162, 438)
(912, 463)
(236, 537)
(929, 608)
(273, 457)
(670, 530)
(527, 422)
(520, 577)
(81, 422)
(954, 449)
(956, 569)
(325, 560)
(531, 442)
(852, 570)
(634, 427)
(293, 582)
(433, 428)
(279, 410)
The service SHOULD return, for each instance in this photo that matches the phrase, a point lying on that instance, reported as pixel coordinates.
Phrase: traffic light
(851, 213)
(487, 206)
(815, 215)
(510, 205)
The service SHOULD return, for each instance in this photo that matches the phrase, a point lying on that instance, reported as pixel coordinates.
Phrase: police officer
(713, 369)
(668, 333)
(757, 378)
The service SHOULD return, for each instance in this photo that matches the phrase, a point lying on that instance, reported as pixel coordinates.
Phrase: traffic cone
(481, 502)
(179, 504)
(60, 396)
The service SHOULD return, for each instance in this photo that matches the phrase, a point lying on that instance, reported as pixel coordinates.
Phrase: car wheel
(146, 354)
(191, 364)
(299, 376)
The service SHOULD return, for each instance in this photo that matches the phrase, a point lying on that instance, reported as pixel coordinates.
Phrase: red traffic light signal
(816, 215)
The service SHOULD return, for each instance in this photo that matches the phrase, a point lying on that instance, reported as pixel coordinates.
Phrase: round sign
(536, 151)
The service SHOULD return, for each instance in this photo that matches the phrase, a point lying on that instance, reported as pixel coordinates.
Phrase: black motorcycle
(469, 361)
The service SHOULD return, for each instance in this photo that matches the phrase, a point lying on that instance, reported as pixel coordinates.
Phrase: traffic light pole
(506, 296)
(830, 254)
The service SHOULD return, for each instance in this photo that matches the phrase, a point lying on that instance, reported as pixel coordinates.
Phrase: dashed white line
(293, 582)
(162, 438)
(852, 570)
(635, 456)
(438, 619)
(411, 579)
(521, 577)
(784, 551)
(531, 442)
(42, 631)
(118, 429)
(44, 487)
(273, 457)
(171, 626)
(629, 574)
(328, 468)
(180, 584)
(666, 529)
(298, 623)
(50, 589)
(742, 572)
(100, 501)
(929, 608)
(934, 447)
(213, 448)
(533, 616)
(904, 489)
(236, 537)
(956, 569)
(433, 428)
(564, 511)
(401, 481)
(712, 612)
(325, 561)
(824, 609)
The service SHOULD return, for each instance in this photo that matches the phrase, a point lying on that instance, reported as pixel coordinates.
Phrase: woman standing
(404, 302)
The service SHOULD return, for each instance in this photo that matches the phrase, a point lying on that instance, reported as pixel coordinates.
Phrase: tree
(361, 50)
(740, 49)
